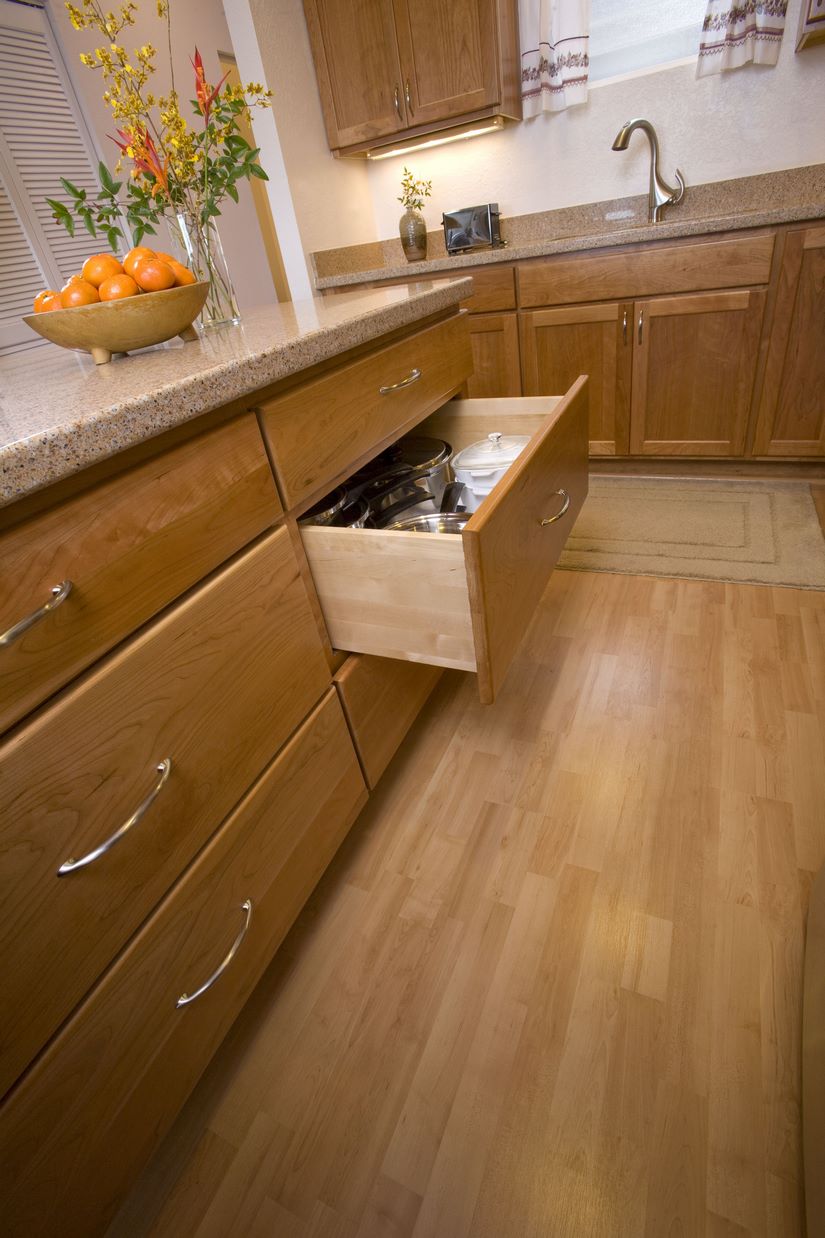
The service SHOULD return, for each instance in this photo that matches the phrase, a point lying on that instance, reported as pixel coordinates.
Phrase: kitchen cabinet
(791, 419)
(387, 67)
(694, 365)
(559, 344)
(496, 359)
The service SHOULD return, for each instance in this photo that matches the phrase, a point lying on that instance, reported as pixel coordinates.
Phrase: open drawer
(463, 601)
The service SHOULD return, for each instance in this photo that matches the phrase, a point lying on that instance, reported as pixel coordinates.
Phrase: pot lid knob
(495, 438)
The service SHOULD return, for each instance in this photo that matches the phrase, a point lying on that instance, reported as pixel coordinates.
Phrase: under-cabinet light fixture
(451, 135)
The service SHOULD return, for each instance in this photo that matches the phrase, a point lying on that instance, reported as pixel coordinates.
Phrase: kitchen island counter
(59, 413)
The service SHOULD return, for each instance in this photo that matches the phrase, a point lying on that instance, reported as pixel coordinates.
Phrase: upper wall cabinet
(390, 67)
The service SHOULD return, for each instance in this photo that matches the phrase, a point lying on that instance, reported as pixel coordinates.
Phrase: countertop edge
(30, 463)
(667, 230)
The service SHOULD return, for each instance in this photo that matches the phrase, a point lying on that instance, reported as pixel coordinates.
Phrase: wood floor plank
(551, 984)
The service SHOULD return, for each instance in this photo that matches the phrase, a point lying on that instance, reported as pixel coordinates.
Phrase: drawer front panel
(494, 288)
(382, 697)
(646, 272)
(87, 1116)
(350, 418)
(216, 685)
(463, 602)
(129, 546)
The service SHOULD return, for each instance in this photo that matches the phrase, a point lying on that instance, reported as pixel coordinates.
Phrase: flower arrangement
(179, 172)
(414, 192)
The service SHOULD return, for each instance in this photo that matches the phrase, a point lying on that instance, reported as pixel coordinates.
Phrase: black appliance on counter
(474, 227)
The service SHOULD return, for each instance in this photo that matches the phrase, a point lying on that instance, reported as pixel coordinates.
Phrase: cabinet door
(448, 56)
(792, 412)
(496, 366)
(559, 344)
(694, 363)
(356, 61)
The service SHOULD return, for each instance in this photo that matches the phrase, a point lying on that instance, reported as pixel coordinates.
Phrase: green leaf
(88, 222)
(106, 178)
(256, 170)
(139, 233)
(113, 236)
(72, 190)
(232, 192)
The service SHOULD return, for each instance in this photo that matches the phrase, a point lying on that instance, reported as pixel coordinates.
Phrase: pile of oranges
(105, 278)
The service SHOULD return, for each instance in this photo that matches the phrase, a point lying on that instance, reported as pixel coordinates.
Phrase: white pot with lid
(483, 464)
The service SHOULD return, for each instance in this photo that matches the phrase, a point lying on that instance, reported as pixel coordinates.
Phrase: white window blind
(42, 138)
(626, 37)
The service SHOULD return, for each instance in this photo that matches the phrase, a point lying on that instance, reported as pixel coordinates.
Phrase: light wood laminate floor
(551, 985)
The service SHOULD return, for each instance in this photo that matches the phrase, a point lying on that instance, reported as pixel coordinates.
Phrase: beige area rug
(759, 532)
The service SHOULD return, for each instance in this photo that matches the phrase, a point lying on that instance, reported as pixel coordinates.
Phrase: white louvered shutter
(41, 139)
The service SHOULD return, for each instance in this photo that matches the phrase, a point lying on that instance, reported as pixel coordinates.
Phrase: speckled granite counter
(60, 413)
(746, 202)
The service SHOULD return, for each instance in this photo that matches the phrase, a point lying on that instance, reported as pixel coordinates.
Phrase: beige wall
(332, 198)
(751, 120)
(200, 22)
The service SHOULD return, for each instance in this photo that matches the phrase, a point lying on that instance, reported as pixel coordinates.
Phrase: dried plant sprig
(414, 192)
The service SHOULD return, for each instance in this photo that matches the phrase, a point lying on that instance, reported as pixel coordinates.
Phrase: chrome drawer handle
(411, 378)
(397, 101)
(552, 519)
(186, 999)
(641, 324)
(407, 95)
(59, 594)
(163, 769)
(624, 327)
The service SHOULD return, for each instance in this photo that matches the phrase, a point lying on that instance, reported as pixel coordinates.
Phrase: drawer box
(351, 419)
(129, 546)
(216, 685)
(646, 272)
(494, 288)
(382, 697)
(463, 601)
(83, 1121)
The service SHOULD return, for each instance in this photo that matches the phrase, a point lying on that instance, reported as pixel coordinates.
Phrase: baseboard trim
(635, 466)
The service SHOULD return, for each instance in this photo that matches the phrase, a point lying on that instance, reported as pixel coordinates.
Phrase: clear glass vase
(200, 249)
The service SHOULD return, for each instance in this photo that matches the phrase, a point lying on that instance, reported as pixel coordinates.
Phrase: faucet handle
(679, 193)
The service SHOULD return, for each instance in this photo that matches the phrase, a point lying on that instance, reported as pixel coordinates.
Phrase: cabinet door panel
(792, 413)
(496, 368)
(557, 345)
(694, 363)
(448, 57)
(359, 77)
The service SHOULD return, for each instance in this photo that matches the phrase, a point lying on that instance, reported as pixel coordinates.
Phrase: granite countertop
(59, 412)
(746, 202)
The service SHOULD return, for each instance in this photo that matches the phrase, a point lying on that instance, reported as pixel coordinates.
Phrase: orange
(165, 257)
(77, 292)
(118, 286)
(100, 267)
(154, 275)
(182, 274)
(139, 254)
(42, 298)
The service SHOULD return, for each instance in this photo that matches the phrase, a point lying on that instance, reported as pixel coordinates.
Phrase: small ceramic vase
(413, 232)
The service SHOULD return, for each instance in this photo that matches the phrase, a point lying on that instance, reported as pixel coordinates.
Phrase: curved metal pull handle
(59, 594)
(186, 999)
(163, 769)
(411, 378)
(397, 101)
(624, 327)
(407, 97)
(552, 519)
(641, 324)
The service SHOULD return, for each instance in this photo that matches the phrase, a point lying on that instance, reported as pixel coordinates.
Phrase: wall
(198, 22)
(332, 198)
(751, 120)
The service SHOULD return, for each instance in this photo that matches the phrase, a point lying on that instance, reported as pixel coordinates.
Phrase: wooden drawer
(216, 685)
(351, 419)
(494, 288)
(646, 272)
(87, 1116)
(129, 547)
(462, 601)
(382, 697)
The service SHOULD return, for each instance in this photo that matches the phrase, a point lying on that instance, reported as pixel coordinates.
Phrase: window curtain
(554, 57)
(737, 34)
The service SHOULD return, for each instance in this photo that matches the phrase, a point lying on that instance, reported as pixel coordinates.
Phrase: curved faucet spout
(661, 194)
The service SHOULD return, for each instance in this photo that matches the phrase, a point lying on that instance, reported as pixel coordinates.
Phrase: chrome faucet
(661, 194)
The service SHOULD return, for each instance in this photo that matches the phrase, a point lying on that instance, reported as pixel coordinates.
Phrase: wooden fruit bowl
(120, 326)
